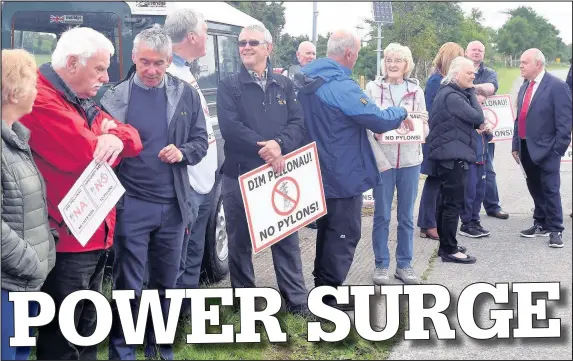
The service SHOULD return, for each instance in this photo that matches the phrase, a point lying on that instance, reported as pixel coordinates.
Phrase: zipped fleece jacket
(400, 155)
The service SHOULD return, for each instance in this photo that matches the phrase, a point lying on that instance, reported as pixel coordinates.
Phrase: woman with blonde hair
(396, 88)
(427, 212)
(28, 246)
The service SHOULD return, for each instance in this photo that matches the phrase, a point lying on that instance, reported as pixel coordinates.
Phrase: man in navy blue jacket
(260, 121)
(337, 115)
(486, 84)
(541, 137)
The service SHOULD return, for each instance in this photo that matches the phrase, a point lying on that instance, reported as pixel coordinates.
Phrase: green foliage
(526, 29)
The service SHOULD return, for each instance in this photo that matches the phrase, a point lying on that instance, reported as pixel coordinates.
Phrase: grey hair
(402, 52)
(455, 68)
(179, 22)
(156, 38)
(81, 42)
(261, 29)
(539, 57)
(338, 44)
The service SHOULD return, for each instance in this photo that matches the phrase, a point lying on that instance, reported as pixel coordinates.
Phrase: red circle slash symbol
(402, 130)
(490, 118)
(286, 195)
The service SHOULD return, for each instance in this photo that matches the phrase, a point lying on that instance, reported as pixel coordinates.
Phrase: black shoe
(303, 312)
(534, 231)
(484, 231)
(468, 230)
(331, 301)
(462, 249)
(555, 240)
(311, 225)
(451, 258)
(499, 214)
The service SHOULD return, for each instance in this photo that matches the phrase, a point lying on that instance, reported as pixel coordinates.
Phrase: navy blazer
(548, 122)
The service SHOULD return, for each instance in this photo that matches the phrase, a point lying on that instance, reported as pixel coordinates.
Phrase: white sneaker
(380, 276)
(407, 275)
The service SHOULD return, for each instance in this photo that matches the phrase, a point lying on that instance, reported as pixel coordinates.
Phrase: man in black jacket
(260, 121)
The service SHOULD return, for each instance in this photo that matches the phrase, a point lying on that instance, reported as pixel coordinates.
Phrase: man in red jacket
(69, 131)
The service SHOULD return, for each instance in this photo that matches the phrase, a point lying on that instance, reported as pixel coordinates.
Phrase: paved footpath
(506, 257)
(503, 257)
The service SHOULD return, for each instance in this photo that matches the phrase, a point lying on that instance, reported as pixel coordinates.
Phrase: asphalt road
(505, 257)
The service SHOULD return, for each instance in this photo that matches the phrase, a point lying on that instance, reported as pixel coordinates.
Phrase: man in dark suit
(542, 133)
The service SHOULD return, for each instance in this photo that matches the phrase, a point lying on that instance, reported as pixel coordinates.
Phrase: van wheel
(215, 258)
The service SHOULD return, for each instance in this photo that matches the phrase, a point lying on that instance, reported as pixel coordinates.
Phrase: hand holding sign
(107, 125)
(411, 130)
(408, 123)
(270, 151)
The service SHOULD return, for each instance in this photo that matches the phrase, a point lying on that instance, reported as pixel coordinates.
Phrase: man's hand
(170, 154)
(278, 165)
(270, 151)
(481, 98)
(408, 123)
(516, 156)
(107, 125)
(108, 148)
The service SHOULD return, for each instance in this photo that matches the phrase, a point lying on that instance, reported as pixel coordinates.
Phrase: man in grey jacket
(153, 214)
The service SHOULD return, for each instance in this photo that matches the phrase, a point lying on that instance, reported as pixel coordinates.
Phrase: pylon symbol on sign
(284, 189)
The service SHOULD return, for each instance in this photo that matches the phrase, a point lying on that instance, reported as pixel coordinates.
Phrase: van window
(39, 31)
(204, 69)
(229, 60)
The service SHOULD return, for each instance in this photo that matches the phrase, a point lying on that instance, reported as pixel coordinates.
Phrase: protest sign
(403, 135)
(277, 205)
(90, 200)
(499, 115)
(368, 198)
(568, 155)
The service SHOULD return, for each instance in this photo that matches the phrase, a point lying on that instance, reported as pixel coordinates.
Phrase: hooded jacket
(337, 115)
(400, 155)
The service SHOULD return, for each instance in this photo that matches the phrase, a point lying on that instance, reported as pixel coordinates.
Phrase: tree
(271, 14)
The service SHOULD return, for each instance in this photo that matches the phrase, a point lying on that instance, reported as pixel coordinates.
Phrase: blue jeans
(405, 180)
(475, 193)
(8, 352)
(491, 199)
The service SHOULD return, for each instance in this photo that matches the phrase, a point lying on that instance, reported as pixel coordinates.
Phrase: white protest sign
(499, 115)
(368, 198)
(568, 155)
(277, 205)
(90, 200)
(403, 135)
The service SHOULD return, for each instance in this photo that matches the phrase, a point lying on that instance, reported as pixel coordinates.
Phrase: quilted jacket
(28, 246)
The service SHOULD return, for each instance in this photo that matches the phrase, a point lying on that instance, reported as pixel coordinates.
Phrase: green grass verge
(296, 348)
(506, 76)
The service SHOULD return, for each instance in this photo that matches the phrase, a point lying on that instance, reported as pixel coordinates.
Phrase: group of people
(152, 129)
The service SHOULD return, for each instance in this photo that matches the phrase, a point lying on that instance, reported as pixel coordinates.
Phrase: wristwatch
(280, 141)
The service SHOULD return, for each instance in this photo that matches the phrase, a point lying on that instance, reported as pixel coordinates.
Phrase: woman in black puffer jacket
(455, 115)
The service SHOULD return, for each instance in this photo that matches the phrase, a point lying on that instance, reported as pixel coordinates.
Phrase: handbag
(381, 161)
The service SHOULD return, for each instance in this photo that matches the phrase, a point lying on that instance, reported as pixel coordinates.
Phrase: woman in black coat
(455, 115)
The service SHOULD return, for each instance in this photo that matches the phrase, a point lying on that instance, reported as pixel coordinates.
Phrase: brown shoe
(431, 233)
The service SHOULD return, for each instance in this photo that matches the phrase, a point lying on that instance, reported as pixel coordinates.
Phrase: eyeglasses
(252, 43)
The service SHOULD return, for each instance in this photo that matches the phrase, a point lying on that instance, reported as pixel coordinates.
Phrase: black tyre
(215, 257)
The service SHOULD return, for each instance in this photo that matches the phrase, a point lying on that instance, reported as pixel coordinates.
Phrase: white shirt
(535, 86)
(201, 175)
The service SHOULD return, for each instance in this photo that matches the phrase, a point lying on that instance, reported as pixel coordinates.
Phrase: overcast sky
(350, 14)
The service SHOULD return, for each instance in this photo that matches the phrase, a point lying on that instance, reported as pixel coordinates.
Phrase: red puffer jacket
(63, 144)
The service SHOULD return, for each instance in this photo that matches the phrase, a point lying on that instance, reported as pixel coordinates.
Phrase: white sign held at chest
(90, 200)
(277, 205)
(403, 135)
(499, 115)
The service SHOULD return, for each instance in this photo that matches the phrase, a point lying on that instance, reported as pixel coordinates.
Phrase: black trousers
(286, 253)
(544, 187)
(338, 233)
(72, 272)
(451, 203)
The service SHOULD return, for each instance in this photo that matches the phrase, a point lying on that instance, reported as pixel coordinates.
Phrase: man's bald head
(306, 53)
(532, 63)
(475, 51)
(343, 47)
